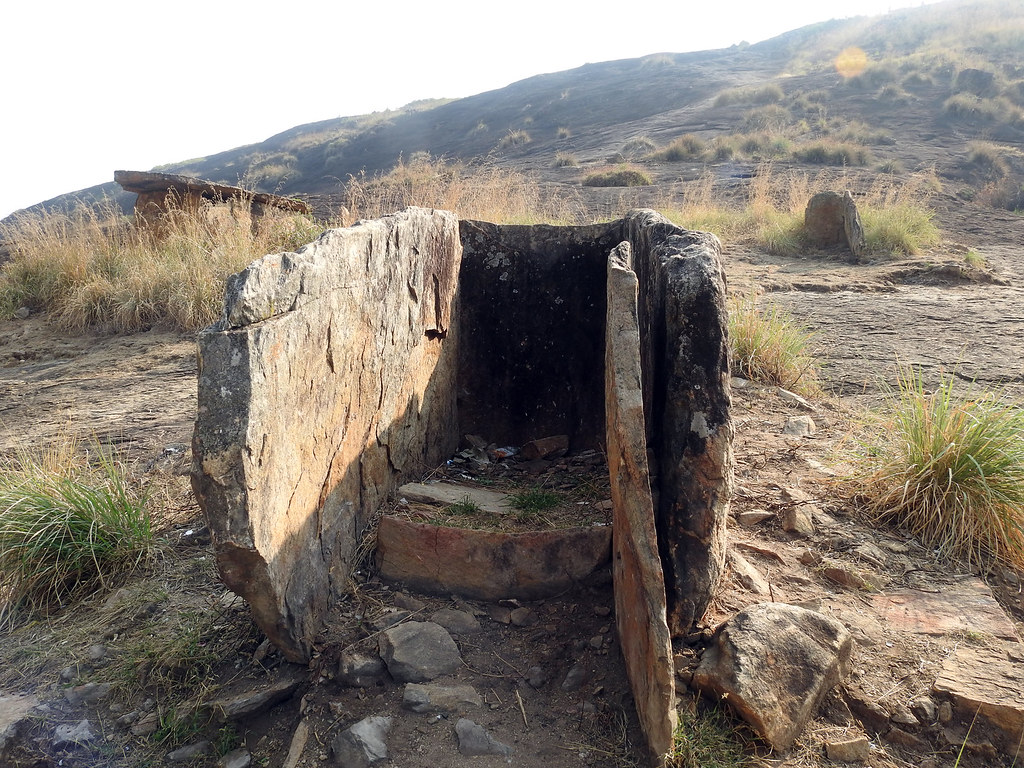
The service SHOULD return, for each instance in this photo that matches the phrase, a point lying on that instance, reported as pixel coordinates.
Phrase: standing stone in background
(831, 219)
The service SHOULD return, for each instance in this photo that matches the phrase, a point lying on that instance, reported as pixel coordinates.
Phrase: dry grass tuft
(767, 345)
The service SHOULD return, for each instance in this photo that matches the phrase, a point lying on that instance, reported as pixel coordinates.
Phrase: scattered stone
(22, 313)
(190, 752)
(69, 673)
(146, 726)
(238, 758)
(445, 494)
(389, 618)
(545, 447)
(602, 610)
(440, 698)
(363, 744)
(524, 617)
(128, 718)
(408, 603)
(80, 733)
(799, 520)
(89, 693)
(863, 625)
(419, 651)
(97, 652)
(900, 738)
(924, 710)
(903, 716)
(794, 399)
(848, 578)
(747, 574)
(752, 517)
(456, 622)
(474, 740)
(966, 606)
(500, 614)
(597, 642)
(872, 554)
(873, 717)
(360, 670)
(536, 676)
(575, 678)
(298, 743)
(14, 715)
(252, 702)
(852, 751)
(945, 712)
(799, 426)
(775, 663)
(810, 557)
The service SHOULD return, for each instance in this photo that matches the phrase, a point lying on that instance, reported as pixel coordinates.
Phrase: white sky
(89, 87)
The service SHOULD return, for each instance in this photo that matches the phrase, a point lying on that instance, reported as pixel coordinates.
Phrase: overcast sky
(92, 87)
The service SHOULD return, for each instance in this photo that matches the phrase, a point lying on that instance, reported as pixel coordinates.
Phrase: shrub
(772, 117)
(766, 94)
(565, 160)
(833, 153)
(68, 524)
(999, 110)
(898, 227)
(514, 139)
(621, 176)
(689, 146)
(989, 158)
(948, 467)
(563, 132)
(767, 345)
(638, 147)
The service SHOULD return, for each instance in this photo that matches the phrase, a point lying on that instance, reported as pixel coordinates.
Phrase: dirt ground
(139, 392)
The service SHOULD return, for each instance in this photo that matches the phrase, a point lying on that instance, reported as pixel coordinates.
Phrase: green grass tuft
(706, 737)
(949, 467)
(767, 345)
(67, 527)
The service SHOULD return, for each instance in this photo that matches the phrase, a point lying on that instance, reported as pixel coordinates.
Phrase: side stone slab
(329, 380)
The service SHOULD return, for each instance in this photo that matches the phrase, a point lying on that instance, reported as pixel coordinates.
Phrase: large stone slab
(450, 493)
(488, 565)
(965, 606)
(773, 664)
(989, 682)
(640, 610)
(329, 379)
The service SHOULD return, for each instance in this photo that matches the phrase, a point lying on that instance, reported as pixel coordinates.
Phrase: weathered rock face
(832, 219)
(330, 379)
(774, 663)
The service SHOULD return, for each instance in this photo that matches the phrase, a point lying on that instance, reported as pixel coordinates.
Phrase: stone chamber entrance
(343, 370)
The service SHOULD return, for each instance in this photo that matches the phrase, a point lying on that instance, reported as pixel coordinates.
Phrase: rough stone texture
(687, 402)
(488, 565)
(474, 740)
(986, 681)
(14, 715)
(79, 733)
(329, 379)
(252, 702)
(440, 698)
(832, 219)
(239, 758)
(636, 565)
(456, 622)
(850, 751)
(774, 663)
(965, 606)
(359, 670)
(418, 651)
(450, 493)
(363, 744)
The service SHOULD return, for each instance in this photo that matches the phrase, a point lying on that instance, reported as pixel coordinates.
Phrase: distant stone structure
(342, 370)
(832, 219)
(159, 191)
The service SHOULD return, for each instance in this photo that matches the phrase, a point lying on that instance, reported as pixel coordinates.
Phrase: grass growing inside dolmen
(769, 346)
(949, 468)
(69, 523)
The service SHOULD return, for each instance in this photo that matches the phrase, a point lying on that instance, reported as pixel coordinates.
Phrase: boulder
(773, 663)
(418, 651)
(831, 219)
(329, 378)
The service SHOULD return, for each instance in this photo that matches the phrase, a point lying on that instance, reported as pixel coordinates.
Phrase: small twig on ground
(522, 709)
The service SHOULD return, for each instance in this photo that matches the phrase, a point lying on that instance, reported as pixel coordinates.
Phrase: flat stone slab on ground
(967, 606)
(14, 712)
(984, 680)
(450, 493)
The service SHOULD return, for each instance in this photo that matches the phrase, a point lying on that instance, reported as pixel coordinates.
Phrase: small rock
(363, 744)
(15, 716)
(794, 399)
(575, 678)
(300, 737)
(799, 520)
(848, 578)
(852, 751)
(440, 698)
(475, 740)
(251, 703)
(872, 716)
(810, 558)
(191, 752)
(524, 617)
(360, 670)
(389, 619)
(419, 651)
(872, 554)
(545, 447)
(80, 733)
(900, 738)
(536, 677)
(596, 642)
(752, 517)
(128, 718)
(146, 726)
(799, 426)
(408, 603)
(22, 313)
(903, 716)
(456, 622)
(69, 673)
(747, 574)
(500, 614)
(239, 758)
(602, 610)
(89, 693)
(924, 710)
(945, 712)
(97, 652)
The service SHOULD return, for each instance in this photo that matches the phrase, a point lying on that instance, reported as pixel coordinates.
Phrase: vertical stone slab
(330, 378)
(636, 567)
(687, 401)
